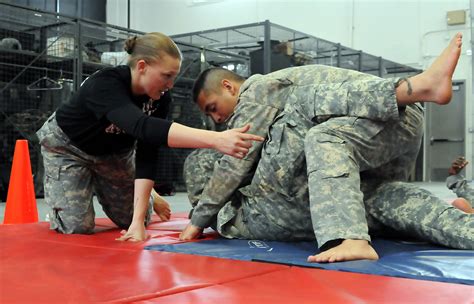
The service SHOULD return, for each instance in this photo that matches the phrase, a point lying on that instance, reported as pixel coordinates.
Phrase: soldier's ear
(229, 86)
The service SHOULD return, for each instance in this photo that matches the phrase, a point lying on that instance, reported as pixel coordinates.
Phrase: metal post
(79, 9)
(78, 65)
(128, 14)
(339, 57)
(267, 52)
(380, 67)
(203, 65)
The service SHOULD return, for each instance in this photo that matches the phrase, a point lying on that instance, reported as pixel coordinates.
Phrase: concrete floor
(179, 202)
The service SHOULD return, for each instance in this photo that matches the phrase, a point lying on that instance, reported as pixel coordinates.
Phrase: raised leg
(434, 84)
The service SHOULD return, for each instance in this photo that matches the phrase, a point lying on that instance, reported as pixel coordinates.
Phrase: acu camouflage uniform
(460, 187)
(70, 197)
(336, 142)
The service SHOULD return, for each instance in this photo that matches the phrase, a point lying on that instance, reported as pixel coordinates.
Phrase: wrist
(137, 223)
(214, 139)
(138, 219)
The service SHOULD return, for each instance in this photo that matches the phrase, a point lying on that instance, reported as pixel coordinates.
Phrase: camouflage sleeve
(229, 173)
(197, 171)
(460, 187)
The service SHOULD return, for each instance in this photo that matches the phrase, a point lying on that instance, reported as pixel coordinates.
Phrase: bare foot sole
(348, 250)
(463, 205)
(161, 206)
(435, 84)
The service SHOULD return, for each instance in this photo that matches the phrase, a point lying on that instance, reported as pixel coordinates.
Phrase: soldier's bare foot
(463, 205)
(434, 84)
(348, 250)
(457, 165)
(161, 206)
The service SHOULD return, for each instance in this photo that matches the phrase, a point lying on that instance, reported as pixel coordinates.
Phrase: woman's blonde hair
(150, 47)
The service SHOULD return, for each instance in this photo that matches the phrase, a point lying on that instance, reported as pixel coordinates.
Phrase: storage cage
(45, 56)
(272, 47)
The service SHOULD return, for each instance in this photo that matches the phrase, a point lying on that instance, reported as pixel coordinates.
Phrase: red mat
(303, 285)
(41, 266)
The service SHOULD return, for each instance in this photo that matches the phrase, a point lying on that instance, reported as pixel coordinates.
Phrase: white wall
(411, 32)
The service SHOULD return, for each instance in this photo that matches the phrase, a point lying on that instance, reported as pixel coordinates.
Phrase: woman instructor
(104, 141)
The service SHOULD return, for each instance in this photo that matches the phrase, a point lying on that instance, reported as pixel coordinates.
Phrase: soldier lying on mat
(339, 146)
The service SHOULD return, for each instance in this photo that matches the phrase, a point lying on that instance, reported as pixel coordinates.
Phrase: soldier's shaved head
(210, 80)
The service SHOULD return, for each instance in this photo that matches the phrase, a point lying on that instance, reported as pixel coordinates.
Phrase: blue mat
(397, 259)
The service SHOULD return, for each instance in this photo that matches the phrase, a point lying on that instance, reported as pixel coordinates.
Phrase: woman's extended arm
(235, 142)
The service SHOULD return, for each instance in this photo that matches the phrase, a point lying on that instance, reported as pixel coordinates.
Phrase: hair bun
(130, 44)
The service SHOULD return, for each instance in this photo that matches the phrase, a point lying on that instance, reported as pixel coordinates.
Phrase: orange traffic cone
(21, 201)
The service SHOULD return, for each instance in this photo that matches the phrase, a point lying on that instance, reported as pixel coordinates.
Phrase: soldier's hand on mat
(191, 232)
(135, 233)
(236, 142)
(161, 207)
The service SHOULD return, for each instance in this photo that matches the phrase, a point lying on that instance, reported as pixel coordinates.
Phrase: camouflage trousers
(410, 211)
(307, 182)
(72, 177)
